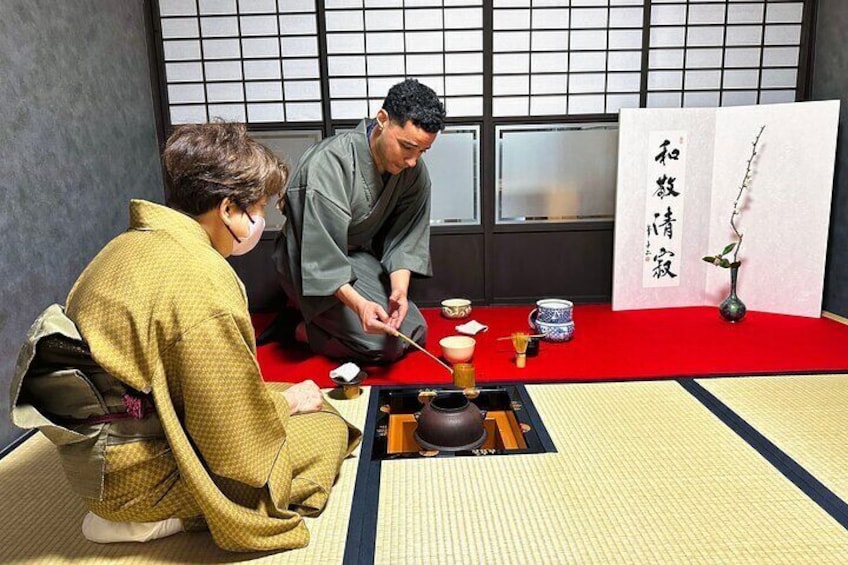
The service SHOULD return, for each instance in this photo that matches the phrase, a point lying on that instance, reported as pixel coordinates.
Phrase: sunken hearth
(511, 423)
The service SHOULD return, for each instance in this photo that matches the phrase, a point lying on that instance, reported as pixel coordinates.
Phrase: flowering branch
(719, 259)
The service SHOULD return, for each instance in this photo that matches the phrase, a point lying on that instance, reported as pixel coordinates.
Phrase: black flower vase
(732, 309)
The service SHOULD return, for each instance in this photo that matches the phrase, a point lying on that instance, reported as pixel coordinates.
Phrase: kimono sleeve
(320, 215)
(405, 237)
(227, 410)
(324, 264)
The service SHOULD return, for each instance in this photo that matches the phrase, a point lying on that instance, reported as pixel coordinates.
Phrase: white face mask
(244, 245)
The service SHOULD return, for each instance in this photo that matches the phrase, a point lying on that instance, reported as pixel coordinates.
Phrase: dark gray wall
(830, 81)
(78, 140)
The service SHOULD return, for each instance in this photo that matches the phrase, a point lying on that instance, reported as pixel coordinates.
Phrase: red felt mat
(607, 345)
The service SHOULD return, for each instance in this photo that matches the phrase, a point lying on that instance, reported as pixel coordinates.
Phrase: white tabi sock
(99, 530)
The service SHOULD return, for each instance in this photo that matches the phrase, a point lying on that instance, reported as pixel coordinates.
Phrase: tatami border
(362, 528)
(788, 467)
(17, 442)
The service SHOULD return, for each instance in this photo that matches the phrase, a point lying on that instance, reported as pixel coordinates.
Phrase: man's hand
(372, 316)
(398, 301)
(304, 397)
(398, 307)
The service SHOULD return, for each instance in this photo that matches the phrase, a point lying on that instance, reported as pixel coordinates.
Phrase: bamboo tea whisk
(519, 343)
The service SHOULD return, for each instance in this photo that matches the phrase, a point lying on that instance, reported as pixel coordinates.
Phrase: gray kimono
(343, 224)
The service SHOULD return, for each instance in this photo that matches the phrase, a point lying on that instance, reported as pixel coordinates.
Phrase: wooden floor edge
(834, 317)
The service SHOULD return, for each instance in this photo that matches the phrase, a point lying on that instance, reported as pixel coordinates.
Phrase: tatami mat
(41, 519)
(644, 474)
(805, 416)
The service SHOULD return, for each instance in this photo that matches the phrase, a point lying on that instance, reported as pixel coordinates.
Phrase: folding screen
(697, 157)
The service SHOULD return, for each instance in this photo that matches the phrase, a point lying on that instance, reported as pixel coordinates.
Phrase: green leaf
(709, 259)
(728, 249)
(724, 264)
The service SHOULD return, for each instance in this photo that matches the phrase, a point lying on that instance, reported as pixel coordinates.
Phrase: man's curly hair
(411, 100)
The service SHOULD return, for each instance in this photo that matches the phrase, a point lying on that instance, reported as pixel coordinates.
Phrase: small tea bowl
(456, 308)
(458, 348)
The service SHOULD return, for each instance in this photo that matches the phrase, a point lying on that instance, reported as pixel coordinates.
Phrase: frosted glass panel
(288, 146)
(454, 165)
(556, 173)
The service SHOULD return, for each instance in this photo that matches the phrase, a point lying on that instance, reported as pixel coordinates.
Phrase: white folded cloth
(471, 328)
(346, 372)
(99, 530)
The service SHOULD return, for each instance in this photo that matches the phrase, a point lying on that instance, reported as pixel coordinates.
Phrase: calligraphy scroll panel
(665, 189)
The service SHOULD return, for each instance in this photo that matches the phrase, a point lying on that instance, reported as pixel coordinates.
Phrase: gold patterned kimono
(163, 313)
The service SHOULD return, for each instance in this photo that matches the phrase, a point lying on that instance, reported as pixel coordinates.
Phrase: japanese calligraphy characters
(664, 195)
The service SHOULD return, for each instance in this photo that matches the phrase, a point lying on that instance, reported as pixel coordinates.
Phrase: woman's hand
(304, 397)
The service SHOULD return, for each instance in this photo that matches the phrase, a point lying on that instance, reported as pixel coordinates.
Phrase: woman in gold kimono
(148, 380)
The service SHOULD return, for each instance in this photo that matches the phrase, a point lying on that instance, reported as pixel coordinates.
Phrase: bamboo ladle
(412, 342)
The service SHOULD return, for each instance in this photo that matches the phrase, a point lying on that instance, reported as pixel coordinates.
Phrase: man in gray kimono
(357, 226)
